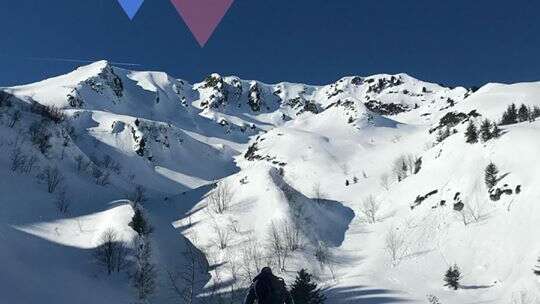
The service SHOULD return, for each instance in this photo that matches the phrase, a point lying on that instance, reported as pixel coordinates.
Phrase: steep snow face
(367, 182)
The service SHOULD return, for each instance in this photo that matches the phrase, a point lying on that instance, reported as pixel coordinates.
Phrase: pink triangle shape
(202, 16)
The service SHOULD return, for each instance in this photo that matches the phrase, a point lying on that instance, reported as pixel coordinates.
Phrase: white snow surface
(288, 153)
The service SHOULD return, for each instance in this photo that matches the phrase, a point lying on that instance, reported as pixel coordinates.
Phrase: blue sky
(317, 41)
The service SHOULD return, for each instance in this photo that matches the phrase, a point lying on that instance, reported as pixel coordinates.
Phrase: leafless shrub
(144, 276)
(101, 178)
(318, 194)
(473, 212)
(112, 253)
(253, 258)
(369, 208)
(40, 136)
(523, 297)
(277, 246)
(14, 117)
(291, 235)
(62, 202)
(221, 237)
(183, 283)
(18, 160)
(52, 177)
(139, 195)
(30, 163)
(219, 200)
(395, 245)
(385, 181)
(432, 299)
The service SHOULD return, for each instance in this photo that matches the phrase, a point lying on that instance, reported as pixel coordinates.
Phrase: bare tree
(221, 237)
(385, 181)
(62, 202)
(30, 163)
(183, 282)
(18, 160)
(318, 194)
(252, 257)
(111, 253)
(395, 245)
(324, 257)
(276, 245)
(291, 234)
(14, 118)
(370, 207)
(40, 136)
(52, 177)
(220, 198)
(145, 275)
(139, 195)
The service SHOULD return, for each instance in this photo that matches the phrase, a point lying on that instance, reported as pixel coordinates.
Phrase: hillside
(369, 183)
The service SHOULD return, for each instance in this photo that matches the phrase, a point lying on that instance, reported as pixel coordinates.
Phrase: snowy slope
(290, 160)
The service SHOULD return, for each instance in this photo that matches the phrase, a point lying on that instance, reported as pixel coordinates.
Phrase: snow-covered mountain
(369, 183)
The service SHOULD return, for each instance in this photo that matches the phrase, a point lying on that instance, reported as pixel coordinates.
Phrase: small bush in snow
(433, 299)
(62, 202)
(40, 136)
(139, 195)
(277, 246)
(18, 159)
(452, 277)
(369, 208)
(219, 200)
(221, 237)
(52, 177)
(395, 245)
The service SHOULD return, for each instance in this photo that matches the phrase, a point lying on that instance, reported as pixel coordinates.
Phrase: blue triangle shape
(131, 7)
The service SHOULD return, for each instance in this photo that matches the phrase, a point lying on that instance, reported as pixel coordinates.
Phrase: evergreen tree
(535, 112)
(452, 277)
(523, 113)
(471, 135)
(304, 291)
(485, 130)
(510, 115)
(442, 135)
(496, 132)
(491, 175)
(140, 224)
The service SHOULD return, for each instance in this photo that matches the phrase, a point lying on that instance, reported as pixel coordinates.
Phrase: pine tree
(490, 175)
(523, 113)
(304, 291)
(496, 132)
(452, 277)
(471, 135)
(140, 224)
(510, 115)
(485, 130)
(535, 112)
